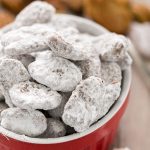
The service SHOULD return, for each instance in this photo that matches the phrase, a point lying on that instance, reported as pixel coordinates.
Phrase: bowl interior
(87, 26)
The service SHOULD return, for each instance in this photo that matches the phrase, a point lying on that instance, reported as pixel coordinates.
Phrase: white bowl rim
(125, 91)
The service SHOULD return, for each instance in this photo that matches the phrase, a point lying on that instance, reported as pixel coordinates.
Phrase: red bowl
(98, 137)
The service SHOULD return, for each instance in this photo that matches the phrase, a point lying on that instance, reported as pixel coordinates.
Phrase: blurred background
(128, 17)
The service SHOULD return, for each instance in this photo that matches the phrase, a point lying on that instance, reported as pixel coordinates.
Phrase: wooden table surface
(134, 130)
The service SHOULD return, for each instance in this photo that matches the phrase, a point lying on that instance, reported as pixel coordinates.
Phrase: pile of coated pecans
(55, 79)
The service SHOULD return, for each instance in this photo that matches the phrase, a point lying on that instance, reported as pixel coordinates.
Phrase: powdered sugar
(111, 72)
(68, 47)
(114, 48)
(84, 105)
(55, 128)
(36, 12)
(57, 73)
(15, 42)
(57, 112)
(21, 121)
(30, 95)
(11, 72)
(73, 77)
(90, 67)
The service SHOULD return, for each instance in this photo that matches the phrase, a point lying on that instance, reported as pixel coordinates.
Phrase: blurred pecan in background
(5, 17)
(15, 5)
(75, 5)
(59, 5)
(115, 15)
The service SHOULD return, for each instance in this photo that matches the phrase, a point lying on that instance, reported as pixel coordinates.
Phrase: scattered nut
(58, 54)
(89, 102)
(30, 95)
(21, 121)
(25, 59)
(64, 46)
(57, 73)
(36, 12)
(84, 107)
(15, 42)
(112, 47)
(11, 72)
(90, 67)
(55, 128)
